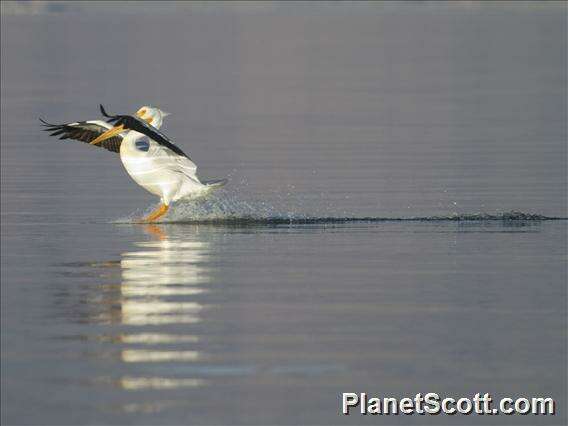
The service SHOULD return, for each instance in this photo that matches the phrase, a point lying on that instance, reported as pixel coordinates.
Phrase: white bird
(148, 156)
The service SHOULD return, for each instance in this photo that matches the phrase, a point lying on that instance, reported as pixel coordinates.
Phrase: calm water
(341, 111)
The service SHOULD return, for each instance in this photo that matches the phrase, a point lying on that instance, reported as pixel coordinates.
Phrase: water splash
(221, 206)
(224, 208)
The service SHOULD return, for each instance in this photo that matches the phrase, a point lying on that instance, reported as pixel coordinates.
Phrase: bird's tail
(214, 183)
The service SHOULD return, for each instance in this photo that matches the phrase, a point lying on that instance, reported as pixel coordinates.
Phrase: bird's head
(152, 116)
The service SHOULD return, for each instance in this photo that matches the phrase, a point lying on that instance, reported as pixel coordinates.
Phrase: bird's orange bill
(116, 130)
(108, 134)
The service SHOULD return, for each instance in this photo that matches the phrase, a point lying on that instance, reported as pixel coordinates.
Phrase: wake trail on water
(223, 208)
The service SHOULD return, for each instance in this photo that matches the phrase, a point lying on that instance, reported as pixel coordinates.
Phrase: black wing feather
(84, 132)
(134, 123)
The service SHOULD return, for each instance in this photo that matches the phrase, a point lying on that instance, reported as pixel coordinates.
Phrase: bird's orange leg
(156, 214)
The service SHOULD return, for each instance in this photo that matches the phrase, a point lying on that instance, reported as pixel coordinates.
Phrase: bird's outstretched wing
(133, 123)
(84, 131)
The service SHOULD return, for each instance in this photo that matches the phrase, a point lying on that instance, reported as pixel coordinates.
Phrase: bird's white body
(159, 170)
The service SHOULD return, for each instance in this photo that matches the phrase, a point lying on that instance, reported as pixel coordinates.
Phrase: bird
(151, 159)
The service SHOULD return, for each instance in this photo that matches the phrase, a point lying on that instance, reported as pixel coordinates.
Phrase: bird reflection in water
(160, 279)
(149, 305)
(138, 319)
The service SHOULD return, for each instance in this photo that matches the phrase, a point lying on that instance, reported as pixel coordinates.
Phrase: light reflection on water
(138, 383)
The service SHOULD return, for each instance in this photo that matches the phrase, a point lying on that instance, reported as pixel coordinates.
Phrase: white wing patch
(98, 123)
